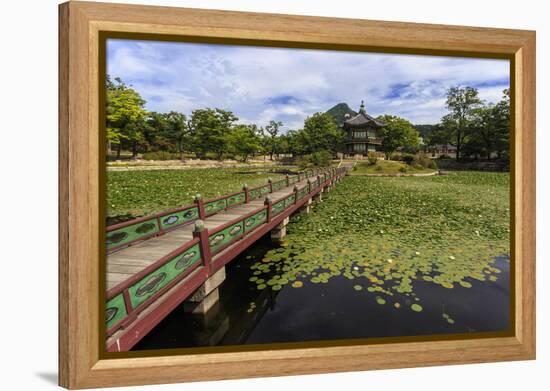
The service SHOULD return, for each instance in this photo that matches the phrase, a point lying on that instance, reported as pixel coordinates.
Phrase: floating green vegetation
(387, 233)
(136, 193)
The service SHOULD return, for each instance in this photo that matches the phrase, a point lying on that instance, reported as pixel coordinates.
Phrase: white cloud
(261, 84)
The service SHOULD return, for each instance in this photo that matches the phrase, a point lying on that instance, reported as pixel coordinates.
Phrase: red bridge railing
(130, 232)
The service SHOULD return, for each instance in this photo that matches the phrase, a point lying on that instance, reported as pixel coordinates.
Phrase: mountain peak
(339, 111)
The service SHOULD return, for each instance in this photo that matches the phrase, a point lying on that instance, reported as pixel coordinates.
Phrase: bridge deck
(125, 263)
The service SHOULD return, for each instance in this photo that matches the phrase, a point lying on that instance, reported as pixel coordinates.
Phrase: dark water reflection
(331, 311)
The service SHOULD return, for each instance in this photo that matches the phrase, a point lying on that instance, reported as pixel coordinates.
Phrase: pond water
(328, 311)
(379, 257)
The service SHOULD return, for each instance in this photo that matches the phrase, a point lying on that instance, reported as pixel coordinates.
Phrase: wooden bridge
(154, 263)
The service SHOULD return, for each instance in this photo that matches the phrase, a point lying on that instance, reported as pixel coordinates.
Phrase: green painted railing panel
(225, 236)
(259, 192)
(236, 199)
(255, 220)
(279, 185)
(278, 207)
(290, 201)
(302, 192)
(132, 232)
(215, 206)
(115, 310)
(158, 279)
(178, 218)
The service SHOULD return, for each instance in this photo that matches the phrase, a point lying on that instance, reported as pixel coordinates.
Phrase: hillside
(339, 111)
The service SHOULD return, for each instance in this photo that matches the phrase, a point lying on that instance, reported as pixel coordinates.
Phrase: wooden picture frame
(82, 364)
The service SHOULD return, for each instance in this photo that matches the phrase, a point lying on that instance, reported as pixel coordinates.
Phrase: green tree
(178, 131)
(272, 130)
(244, 141)
(461, 102)
(320, 133)
(502, 123)
(209, 129)
(126, 116)
(398, 132)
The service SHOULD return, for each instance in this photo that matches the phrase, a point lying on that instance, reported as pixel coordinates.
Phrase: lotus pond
(136, 193)
(378, 257)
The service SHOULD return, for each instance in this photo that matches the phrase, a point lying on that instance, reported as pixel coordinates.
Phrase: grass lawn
(386, 233)
(137, 193)
(387, 167)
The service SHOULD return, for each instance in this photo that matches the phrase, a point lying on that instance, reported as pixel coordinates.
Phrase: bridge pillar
(318, 197)
(207, 296)
(306, 208)
(279, 232)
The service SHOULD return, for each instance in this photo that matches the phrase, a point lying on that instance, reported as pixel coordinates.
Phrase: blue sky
(259, 84)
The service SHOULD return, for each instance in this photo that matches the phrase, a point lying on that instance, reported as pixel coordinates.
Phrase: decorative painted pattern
(215, 206)
(255, 220)
(278, 207)
(290, 200)
(131, 233)
(279, 184)
(115, 311)
(228, 235)
(178, 218)
(302, 192)
(259, 192)
(236, 199)
(162, 276)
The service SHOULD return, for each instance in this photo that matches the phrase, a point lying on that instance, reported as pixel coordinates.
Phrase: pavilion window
(359, 134)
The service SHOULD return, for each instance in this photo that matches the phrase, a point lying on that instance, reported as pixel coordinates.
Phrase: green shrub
(372, 159)
(161, 155)
(407, 158)
(316, 159)
(396, 156)
(403, 169)
(378, 168)
(423, 161)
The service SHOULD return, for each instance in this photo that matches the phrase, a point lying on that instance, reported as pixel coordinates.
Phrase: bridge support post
(307, 206)
(279, 232)
(318, 197)
(207, 296)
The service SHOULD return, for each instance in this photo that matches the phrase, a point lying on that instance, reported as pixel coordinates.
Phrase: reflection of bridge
(156, 262)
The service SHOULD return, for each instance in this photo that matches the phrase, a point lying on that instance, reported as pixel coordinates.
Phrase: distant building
(362, 133)
(436, 151)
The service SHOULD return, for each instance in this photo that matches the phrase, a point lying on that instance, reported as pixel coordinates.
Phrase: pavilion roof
(363, 119)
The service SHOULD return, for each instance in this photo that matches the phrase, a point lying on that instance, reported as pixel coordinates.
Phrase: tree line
(208, 132)
(475, 128)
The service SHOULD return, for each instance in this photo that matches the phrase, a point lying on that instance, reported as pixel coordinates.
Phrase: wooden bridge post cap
(295, 188)
(245, 186)
(197, 196)
(267, 200)
(199, 226)
(269, 180)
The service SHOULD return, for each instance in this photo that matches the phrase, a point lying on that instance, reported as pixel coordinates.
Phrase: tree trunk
(118, 151)
(134, 150)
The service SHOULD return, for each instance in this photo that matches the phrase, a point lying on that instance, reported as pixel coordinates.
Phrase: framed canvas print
(248, 195)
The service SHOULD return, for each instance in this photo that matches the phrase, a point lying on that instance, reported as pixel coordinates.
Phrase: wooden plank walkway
(124, 263)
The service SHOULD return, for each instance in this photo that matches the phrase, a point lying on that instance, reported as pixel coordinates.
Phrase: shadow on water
(331, 311)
